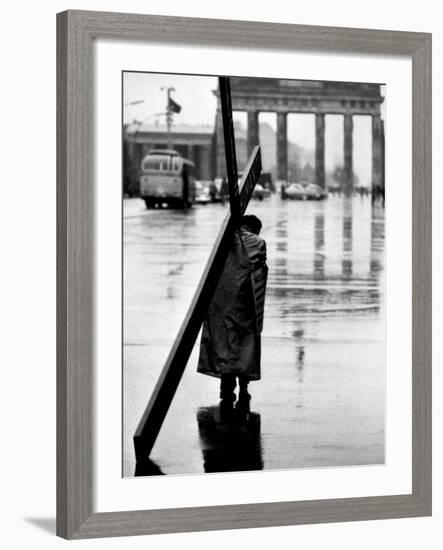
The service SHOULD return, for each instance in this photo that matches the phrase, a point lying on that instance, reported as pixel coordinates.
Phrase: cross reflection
(147, 467)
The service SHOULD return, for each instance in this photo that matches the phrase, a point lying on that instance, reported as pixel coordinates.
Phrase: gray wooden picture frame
(76, 32)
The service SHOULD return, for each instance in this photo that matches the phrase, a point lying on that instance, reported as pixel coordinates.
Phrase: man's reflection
(230, 439)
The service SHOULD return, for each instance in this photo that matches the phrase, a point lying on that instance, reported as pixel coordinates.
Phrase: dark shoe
(243, 403)
(226, 410)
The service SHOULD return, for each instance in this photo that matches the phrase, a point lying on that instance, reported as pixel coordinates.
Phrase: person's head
(252, 223)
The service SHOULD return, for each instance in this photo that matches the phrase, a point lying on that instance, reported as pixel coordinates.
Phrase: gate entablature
(305, 96)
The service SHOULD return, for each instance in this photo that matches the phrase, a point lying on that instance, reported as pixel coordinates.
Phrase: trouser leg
(227, 387)
(243, 384)
(243, 395)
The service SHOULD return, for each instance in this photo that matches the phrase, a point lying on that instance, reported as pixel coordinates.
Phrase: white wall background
(27, 229)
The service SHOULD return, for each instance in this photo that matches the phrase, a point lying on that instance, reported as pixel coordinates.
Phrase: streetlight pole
(168, 113)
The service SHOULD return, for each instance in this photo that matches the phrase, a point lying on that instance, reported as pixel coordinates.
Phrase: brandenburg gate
(255, 95)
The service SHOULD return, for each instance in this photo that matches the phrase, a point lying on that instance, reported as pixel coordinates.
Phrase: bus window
(157, 165)
(152, 164)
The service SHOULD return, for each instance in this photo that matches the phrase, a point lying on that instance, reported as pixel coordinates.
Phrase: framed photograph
(243, 276)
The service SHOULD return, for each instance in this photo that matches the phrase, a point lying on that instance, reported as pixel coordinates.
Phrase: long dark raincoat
(230, 342)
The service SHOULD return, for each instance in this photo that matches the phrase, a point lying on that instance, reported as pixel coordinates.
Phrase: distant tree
(294, 171)
(337, 175)
(308, 173)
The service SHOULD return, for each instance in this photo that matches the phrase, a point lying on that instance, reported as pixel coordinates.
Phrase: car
(218, 190)
(305, 191)
(315, 192)
(265, 180)
(260, 192)
(202, 193)
(295, 191)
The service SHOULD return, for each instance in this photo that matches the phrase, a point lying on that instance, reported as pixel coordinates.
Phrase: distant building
(319, 98)
(195, 143)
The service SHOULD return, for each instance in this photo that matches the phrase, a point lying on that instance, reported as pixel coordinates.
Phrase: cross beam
(229, 138)
(167, 384)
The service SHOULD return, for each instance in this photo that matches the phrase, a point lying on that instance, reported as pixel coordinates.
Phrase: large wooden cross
(164, 391)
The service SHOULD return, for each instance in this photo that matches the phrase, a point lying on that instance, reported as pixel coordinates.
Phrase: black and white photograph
(253, 274)
(220, 292)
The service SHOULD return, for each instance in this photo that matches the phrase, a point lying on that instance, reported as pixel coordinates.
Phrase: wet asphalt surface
(320, 401)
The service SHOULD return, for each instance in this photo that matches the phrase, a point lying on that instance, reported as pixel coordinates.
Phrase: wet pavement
(321, 398)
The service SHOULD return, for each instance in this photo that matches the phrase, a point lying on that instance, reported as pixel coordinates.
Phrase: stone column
(282, 147)
(253, 137)
(320, 150)
(377, 153)
(205, 162)
(138, 154)
(348, 179)
(191, 153)
(196, 159)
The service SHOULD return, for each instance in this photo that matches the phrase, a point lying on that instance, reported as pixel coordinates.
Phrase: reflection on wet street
(230, 443)
(321, 398)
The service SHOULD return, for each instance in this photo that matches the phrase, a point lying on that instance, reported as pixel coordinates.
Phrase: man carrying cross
(230, 346)
(237, 231)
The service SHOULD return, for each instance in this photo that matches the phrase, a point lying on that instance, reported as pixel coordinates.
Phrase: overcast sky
(195, 95)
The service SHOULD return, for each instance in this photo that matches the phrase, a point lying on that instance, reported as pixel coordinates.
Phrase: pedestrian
(224, 190)
(212, 191)
(230, 347)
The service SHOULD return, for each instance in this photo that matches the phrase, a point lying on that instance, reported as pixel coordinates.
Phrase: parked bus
(167, 178)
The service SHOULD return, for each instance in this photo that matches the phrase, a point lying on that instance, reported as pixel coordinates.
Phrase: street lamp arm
(137, 102)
